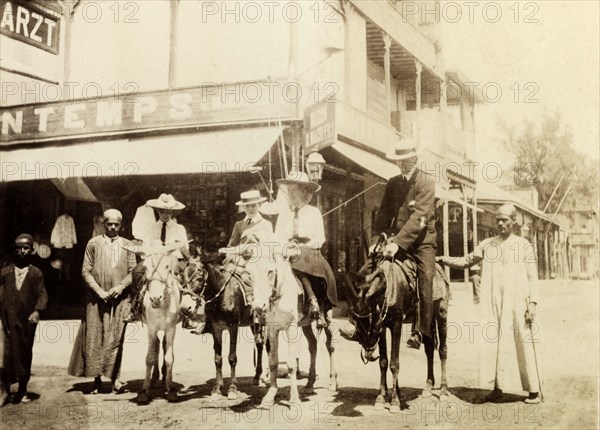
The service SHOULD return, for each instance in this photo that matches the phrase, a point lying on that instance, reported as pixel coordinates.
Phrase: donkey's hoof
(444, 395)
(143, 398)
(232, 394)
(216, 393)
(427, 389)
(172, 396)
(394, 409)
(309, 389)
(333, 386)
(265, 405)
(379, 403)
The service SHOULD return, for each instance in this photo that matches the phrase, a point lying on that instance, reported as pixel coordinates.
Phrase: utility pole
(174, 5)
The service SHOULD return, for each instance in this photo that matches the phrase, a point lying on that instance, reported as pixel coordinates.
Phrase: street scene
(299, 214)
(570, 385)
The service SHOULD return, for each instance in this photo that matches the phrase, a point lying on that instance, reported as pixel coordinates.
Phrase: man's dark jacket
(407, 211)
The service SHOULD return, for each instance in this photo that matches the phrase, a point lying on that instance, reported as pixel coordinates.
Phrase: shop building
(207, 111)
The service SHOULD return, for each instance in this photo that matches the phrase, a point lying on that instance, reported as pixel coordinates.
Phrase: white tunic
(509, 281)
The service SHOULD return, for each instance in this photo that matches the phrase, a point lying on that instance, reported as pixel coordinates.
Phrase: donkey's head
(368, 307)
(160, 264)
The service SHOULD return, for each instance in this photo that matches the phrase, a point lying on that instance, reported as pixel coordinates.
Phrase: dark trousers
(425, 258)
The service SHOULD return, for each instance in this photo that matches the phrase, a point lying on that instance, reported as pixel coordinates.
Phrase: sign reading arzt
(28, 23)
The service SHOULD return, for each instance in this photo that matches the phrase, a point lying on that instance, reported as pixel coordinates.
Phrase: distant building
(583, 242)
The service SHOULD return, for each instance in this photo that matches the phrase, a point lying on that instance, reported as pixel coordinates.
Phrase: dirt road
(568, 314)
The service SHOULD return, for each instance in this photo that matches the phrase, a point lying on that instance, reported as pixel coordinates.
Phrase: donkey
(287, 307)
(382, 298)
(225, 306)
(161, 304)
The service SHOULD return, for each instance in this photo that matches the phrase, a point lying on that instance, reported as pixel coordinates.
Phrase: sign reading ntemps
(160, 110)
(25, 21)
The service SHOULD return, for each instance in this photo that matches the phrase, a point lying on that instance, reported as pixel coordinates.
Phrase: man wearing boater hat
(22, 298)
(256, 230)
(407, 215)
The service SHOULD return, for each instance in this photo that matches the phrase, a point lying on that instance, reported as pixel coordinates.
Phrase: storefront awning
(373, 163)
(74, 189)
(212, 152)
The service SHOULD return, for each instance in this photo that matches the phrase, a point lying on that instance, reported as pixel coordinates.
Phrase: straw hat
(299, 178)
(165, 201)
(402, 150)
(250, 197)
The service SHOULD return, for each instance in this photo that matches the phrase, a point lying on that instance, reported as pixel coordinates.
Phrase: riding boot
(415, 339)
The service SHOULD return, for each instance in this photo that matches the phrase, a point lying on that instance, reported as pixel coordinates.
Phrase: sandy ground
(568, 315)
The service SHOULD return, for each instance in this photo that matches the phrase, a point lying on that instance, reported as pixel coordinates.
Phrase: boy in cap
(23, 296)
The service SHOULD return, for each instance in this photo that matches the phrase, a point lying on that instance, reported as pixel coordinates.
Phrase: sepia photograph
(309, 214)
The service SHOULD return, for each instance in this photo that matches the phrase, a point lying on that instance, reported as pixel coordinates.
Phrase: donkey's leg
(332, 338)
(151, 354)
(169, 358)
(429, 349)
(294, 342)
(232, 393)
(273, 347)
(163, 367)
(383, 367)
(259, 341)
(217, 334)
(395, 365)
(309, 334)
(156, 367)
(441, 316)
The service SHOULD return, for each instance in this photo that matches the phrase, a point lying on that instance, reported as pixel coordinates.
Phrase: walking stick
(537, 366)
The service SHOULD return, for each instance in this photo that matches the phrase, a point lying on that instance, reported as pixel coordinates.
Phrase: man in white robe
(510, 349)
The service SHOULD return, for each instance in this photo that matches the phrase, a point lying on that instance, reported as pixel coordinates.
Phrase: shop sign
(28, 23)
(208, 105)
(324, 122)
(319, 126)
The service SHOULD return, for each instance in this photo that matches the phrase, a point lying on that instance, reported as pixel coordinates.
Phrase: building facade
(205, 100)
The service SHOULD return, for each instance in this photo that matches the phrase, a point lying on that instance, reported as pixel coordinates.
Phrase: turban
(24, 238)
(507, 210)
(112, 214)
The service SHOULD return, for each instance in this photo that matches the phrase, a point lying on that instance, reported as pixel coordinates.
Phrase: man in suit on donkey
(407, 216)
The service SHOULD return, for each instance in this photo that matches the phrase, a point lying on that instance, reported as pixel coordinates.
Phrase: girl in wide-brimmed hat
(303, 225)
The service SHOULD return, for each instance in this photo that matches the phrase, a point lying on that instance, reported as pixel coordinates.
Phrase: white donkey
(281, 314)
(161, 302)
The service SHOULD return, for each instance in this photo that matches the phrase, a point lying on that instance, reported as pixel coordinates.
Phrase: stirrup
(415, 340)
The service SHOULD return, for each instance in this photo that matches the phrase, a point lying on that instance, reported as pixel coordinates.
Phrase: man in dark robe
(23, 297)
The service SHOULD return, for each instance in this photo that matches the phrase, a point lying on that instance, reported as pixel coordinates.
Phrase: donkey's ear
(377, 286)
(350, 287)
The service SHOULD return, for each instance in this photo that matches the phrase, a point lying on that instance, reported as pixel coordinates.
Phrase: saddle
(241, 274)
(395, 272)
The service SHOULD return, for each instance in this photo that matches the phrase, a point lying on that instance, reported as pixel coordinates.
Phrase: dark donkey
(226, 308)
(383, 298)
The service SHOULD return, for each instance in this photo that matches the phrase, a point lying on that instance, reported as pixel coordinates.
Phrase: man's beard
(23, 261)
